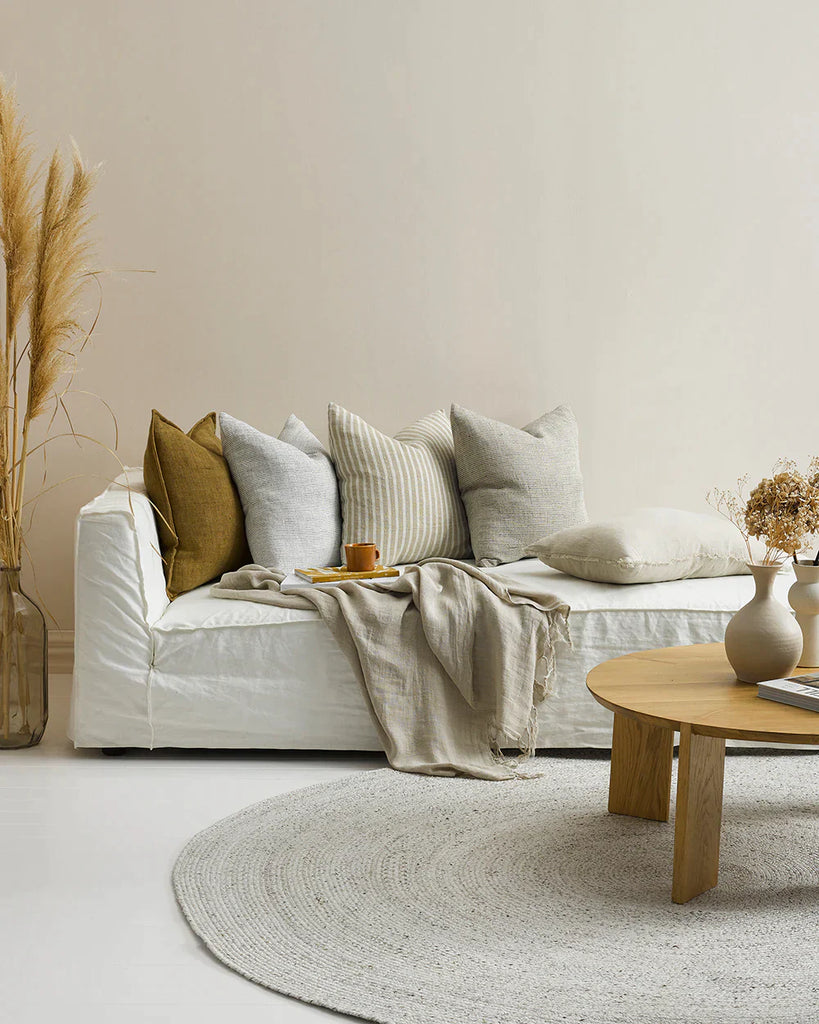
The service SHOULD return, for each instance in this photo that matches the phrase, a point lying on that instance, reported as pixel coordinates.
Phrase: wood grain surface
(641, 758)
(699, 814)
(696, 685)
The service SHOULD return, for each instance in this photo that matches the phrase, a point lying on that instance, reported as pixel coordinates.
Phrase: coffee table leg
(699, 814)
(641, 758)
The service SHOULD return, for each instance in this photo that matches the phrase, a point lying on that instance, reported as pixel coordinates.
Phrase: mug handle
(377, 554)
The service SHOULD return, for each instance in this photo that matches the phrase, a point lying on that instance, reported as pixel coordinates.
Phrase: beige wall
(396, 204)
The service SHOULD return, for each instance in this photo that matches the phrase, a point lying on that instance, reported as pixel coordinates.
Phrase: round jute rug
(401, 898)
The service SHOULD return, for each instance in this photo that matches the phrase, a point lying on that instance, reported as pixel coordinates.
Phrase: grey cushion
(289, 494)
(518, 486)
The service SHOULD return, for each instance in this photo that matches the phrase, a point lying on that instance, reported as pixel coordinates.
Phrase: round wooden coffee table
(693, 691)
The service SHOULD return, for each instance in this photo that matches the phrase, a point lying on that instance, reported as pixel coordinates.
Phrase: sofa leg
(114, 751)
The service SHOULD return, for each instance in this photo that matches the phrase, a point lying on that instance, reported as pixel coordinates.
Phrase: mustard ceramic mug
(361, 557)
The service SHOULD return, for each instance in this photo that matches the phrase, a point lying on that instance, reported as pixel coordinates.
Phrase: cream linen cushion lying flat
(650, 545)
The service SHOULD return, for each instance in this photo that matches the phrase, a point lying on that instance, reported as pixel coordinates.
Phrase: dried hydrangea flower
(782, 510)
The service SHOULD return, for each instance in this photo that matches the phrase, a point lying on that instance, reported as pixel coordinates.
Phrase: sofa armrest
(117, 546)
(119, 593)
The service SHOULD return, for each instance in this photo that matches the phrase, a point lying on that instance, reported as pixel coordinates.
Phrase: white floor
(89, 929)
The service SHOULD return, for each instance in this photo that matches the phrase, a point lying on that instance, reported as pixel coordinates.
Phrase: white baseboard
(60, 651)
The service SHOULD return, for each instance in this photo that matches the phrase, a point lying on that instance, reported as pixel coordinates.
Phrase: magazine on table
(799, 691)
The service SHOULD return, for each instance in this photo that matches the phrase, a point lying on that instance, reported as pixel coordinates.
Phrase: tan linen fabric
(452, 662)
(198, 512)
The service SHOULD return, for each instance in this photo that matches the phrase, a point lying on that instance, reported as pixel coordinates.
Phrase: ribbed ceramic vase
(804, 599)
(763, 640)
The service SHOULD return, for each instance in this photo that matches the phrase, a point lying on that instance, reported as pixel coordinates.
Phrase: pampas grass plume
(45, 250)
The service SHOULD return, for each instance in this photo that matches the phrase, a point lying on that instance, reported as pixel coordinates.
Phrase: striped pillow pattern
(400, 492)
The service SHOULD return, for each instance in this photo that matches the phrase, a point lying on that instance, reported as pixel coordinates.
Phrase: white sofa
(204, 672)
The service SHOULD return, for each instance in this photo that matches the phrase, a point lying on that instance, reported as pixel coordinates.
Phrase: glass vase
(23, 665)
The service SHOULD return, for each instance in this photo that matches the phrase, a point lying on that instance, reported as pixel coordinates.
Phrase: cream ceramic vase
(763, 640)
(804, 599)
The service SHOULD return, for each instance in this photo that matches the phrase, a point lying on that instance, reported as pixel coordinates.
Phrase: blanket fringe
(556, 631)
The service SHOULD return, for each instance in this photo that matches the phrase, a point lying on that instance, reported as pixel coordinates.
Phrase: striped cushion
(400, 492)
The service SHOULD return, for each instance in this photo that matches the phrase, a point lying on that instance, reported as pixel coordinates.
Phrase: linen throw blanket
(452, 661)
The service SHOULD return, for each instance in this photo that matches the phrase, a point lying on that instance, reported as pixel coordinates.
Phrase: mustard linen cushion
(198, 512)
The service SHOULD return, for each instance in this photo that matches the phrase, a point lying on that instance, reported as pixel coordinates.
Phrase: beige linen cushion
(650, 545)
(517, 484)
(399, 492)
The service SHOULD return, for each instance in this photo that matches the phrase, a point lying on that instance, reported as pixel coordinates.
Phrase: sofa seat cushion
(241, 674)
(675, 597)
(244, 674)
(199, 610)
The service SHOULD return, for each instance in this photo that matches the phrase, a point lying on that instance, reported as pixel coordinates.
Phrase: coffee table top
(696, 685)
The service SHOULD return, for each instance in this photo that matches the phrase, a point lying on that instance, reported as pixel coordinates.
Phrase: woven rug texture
(414, 900)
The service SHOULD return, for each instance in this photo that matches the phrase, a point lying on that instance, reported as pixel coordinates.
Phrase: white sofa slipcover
(205, 672)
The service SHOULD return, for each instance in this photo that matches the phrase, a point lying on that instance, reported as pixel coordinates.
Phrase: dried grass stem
(45, 249)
